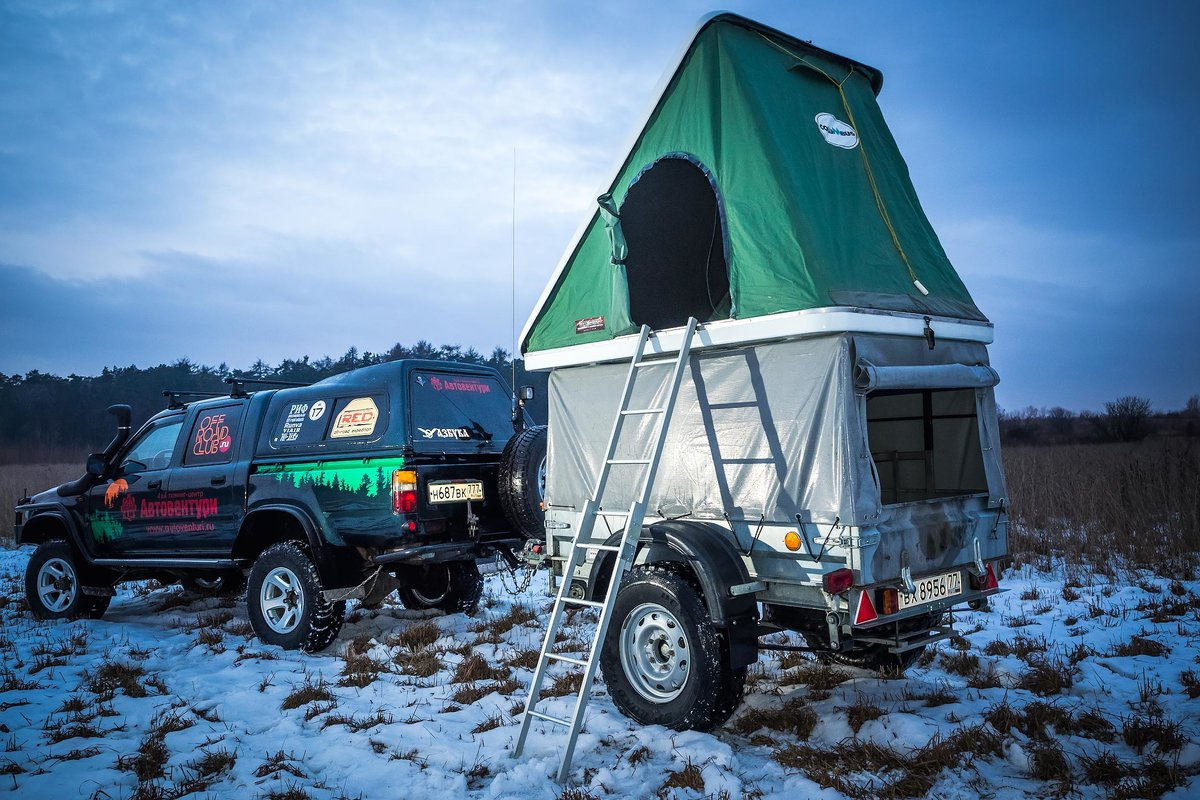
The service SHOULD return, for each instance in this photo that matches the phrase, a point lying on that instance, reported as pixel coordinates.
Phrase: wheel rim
(56, 585)
(433, 599)
(655, 653)
(282, 600)
(541, 480)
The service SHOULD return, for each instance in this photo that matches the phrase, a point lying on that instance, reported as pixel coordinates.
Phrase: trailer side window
(925, 444)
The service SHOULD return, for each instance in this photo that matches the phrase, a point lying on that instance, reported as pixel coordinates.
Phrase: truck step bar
(586, 541)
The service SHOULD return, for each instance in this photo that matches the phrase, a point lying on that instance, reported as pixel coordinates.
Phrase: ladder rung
(644, 411)
(629, 461)
(611, 513)
(614, 548)
(577, 601)
(579, 662)
(549, 718)
(745, 460)
(659, 362)
(739, 404)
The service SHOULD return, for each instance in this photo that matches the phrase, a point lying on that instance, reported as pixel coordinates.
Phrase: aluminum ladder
(586, 542)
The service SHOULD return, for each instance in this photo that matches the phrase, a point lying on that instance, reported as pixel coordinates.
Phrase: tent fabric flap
(869, 377)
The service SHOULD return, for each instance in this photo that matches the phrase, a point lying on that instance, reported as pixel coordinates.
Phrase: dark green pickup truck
(396, 476)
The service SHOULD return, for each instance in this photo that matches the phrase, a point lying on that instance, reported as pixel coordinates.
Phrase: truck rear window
(459, 411)
(925, 444)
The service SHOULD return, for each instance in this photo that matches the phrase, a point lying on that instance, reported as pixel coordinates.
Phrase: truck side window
(213, 434)
(153, 450)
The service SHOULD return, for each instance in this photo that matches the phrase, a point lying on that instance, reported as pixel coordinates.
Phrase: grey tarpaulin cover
(765, 431)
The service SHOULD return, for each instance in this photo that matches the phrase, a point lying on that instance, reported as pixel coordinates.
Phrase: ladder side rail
(556, 618)
(637, 512)
(615, 435)
(664, 421)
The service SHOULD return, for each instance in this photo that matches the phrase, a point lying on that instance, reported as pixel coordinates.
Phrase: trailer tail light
(838, 581)
(888, 601)
(404, 491)
(985, 582)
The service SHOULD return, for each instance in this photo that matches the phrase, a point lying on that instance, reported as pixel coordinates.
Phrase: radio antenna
(512, 355)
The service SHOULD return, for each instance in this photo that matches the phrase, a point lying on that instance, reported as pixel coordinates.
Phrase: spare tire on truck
(522, 482)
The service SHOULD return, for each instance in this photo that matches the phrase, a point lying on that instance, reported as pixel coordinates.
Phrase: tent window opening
(676, 266)
(925, 444)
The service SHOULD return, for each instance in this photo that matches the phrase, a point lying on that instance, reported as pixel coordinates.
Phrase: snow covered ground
(1072, 683)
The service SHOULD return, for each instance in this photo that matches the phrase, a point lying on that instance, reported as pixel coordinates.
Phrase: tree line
(1126, 419)
(46, 417)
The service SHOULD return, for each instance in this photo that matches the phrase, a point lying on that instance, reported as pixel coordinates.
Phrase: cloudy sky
(230, 181)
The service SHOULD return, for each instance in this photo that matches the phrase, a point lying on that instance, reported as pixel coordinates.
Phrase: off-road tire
(320, 620)
(522, 471)
(711, 690)
(78, 605)
(453, 587)
(229, 583)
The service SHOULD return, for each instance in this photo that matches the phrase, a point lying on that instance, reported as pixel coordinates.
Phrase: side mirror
(526, 394)
(96, 464)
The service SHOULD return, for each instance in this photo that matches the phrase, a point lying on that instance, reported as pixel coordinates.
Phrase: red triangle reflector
(866, 610)
(991, 582)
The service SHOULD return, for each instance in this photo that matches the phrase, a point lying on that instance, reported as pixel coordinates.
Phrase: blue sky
(231, 181)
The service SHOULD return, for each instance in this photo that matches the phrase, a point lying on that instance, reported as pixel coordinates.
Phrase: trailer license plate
(935, 587)
(455, 491)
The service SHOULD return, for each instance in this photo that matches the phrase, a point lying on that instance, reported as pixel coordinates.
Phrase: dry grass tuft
(361, 670)
(863, 711)
(466, 695)
(491, 723)
(1047, 676)
(689, 777)
(960, 663)
(1140, 646)
(418, 636)
(279, 762)
(524, 659)
(1140, 731)
(358, 724)
(111, 676)
(422, 664)
(475, 668)
(818, 677)
(308, 692)
(795, 716)
(565, 684)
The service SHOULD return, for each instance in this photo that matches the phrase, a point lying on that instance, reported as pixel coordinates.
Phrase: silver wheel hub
(655, 653)
(437, 575)
(282, 600)
(57, 585)
(541, 481)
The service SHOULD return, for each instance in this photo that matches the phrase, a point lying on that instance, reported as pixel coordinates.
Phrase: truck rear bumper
(446, 551)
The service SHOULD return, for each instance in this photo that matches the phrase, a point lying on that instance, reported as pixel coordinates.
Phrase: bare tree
(1126, 419)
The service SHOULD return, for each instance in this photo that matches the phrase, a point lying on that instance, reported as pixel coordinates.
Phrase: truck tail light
(888, 601)
(838, 581)
(404, 491)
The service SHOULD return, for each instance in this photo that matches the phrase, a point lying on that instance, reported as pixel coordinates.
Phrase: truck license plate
(455, 491)
(935, 587)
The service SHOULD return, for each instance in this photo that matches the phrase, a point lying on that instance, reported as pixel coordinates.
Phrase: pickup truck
(395, 476)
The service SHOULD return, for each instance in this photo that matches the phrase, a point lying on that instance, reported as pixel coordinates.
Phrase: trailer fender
(708, 554)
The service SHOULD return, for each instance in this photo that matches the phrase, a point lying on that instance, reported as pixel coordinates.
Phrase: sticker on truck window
(301, 423)
(357, 418)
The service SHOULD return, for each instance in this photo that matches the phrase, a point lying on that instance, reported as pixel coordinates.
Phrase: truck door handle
(153, 484)
(219, 480)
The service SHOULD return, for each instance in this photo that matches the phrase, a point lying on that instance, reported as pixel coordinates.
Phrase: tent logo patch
(589, 324)
(836, 132)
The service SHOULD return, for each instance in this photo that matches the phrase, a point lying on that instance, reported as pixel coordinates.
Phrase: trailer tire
(522, 482)
(453, 587)
(663, 661)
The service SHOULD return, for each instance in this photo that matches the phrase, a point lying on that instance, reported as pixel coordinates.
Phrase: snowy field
(1072, 684)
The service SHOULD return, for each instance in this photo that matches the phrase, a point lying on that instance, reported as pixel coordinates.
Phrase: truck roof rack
(237, 386)
(174, 398)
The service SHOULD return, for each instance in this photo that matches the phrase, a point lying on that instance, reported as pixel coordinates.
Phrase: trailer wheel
(662, 659)
(522, 482)
(53, 586)
(452, 587)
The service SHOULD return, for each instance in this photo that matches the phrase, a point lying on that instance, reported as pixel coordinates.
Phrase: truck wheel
(215, 584)
(662, 659)
(522, 481)
(285, 603)
(53, 587)
(453, 587)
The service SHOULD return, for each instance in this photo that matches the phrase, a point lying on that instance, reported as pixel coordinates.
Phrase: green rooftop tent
(764, 181)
